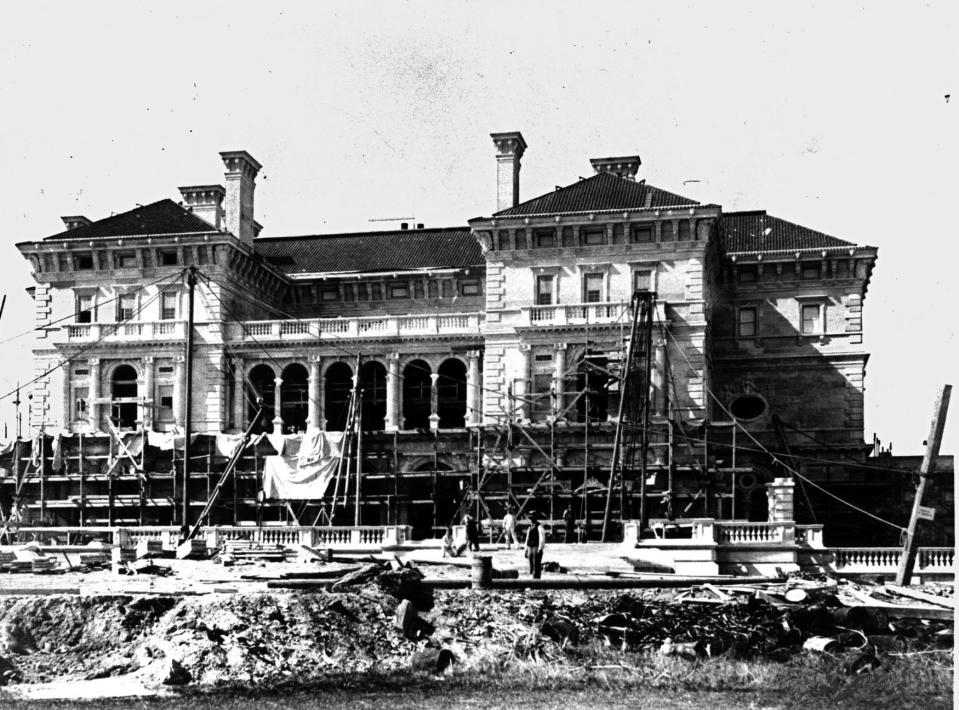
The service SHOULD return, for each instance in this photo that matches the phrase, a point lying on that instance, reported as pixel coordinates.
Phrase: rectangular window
(80, 395)
(542, 389)
(747, 322)
(812, 319)
(545, 238)
(125, 260)
(593, 237)
(329, 294)
(417, 289)
(544, 290)
(347, 292)
(376, 292)
(643, 280)
(126, 304)
(165, 400)
(641, 234)
(81, 372)
(400, 290)
(83, 262)
(168, 306)
(85, 308)
(447, 289)
(362, 293)
(165, 370)
(470, 288)
(169, 257)
(810, 271)
(747, 274)
(592, 288)
(432, 289)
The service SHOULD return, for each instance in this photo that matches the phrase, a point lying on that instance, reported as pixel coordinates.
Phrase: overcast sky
(832, 117)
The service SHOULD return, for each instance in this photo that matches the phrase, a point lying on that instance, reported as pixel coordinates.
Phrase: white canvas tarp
(303, 472)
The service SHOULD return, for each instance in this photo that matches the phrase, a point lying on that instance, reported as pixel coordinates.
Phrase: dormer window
(125, 260)
(83, 262)
(169, 257)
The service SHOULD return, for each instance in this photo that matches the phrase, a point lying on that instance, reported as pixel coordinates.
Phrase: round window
(748, 406)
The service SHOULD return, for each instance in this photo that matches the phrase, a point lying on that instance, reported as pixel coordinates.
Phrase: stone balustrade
(734, 532)
(122, 332)
(359, 327)
(810, 536)
(365, 536)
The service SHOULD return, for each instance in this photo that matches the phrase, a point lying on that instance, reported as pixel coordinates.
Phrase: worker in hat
(535, 542)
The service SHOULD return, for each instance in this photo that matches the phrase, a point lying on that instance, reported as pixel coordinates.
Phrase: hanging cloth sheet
(305, 472)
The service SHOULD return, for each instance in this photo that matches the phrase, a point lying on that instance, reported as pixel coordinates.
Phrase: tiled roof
(759, 232)
(398, 250)
(603, 191)
(163, 217)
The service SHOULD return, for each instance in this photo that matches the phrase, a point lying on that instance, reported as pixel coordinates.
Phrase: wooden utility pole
(188, 404)
(908, 560)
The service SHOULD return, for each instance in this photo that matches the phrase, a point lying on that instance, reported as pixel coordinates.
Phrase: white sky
(832, 117)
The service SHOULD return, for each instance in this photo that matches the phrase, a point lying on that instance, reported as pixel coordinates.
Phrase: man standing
(509, 528)
(535, 542)
(570, 519)
(472, 532)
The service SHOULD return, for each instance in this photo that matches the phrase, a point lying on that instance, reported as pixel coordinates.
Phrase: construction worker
(509, 528)
(535, 542)
(569, 518)
(472, 532)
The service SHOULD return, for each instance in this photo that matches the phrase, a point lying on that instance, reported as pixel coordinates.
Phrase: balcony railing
(574, 313)
(134, 330)
(364, 327)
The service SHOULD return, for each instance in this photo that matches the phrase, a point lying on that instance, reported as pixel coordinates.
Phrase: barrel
(482, 571)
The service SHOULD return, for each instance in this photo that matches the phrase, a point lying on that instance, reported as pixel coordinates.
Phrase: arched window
(373, 385)
(295, 397)
(261, 384)
(338, 385)
(124, 387)
(451, 394)
(416, 395)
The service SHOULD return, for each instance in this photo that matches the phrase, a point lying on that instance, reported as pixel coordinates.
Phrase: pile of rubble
(384, 618)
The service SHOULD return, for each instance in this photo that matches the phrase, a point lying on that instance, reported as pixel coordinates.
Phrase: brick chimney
(206, 202)
(75, 221)
(241, 170)
(509, 151)
(624, 167)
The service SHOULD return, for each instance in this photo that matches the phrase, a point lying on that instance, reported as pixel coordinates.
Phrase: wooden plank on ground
(918, 595)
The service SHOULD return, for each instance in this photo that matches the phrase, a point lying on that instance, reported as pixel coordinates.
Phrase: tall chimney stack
(206, 202)
(509, 151)
(241, 170)
(625, 167)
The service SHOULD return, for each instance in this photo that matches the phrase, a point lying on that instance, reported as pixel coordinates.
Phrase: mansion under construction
(597, 346)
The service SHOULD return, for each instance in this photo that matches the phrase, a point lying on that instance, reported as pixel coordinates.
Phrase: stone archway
(295, 397)
(338, 384)
(417, 391)
(451, 394)
(261, 384)
(123, 384)
(373, 384)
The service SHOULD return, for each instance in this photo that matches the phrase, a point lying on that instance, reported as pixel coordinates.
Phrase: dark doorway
(339, 384)
(417, 386)
(124, 414)
(295, 397)
(451, 394)
(591, 376)
(261, 383)
(373, 384)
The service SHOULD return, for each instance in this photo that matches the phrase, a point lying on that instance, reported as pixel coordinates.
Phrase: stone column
(316, 392)
(474, 392)
(392, 391)
(146, 409)
(434, 402)
(659, 393)
(521, 388)
(94, 406)
(179, 391)
(559, 382)
(780, 495)
(278, 405)
(239, 395)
